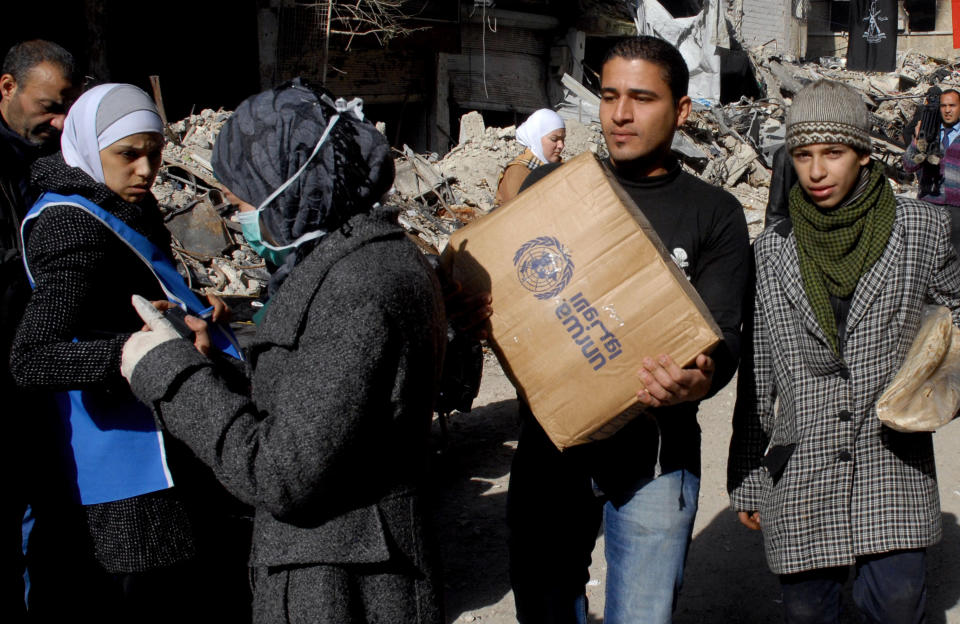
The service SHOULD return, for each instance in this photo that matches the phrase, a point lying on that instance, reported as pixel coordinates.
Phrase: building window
(839, 15)
(922, 14)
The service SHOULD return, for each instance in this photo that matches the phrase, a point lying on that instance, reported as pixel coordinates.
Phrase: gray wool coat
(327, 438)
(808, 451)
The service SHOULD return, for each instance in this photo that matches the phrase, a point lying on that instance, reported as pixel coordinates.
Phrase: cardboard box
(582, 290)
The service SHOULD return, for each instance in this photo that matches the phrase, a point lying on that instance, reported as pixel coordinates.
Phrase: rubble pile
(731, 146)
(438, 195)
(737, 141)
(892, 98)
(207, 243)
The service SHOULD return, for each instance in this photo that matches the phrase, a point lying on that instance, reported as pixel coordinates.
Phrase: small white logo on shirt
(679, 256)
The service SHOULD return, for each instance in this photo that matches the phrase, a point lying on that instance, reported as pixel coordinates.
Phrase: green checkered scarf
(837, 247)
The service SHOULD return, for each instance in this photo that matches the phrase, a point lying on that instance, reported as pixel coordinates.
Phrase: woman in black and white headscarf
(329, 439)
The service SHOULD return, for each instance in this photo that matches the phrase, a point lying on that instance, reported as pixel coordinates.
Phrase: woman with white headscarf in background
(543, 134)
(95, 238)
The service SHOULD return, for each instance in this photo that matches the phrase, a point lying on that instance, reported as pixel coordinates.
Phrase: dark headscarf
(272, 134)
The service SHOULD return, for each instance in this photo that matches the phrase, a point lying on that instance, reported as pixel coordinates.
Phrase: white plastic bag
(925, 393)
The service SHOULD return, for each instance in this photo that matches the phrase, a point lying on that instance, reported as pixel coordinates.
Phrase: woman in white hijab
(84, 252)
(543, 134)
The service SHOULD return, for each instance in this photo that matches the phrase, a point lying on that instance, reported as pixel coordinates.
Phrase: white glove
(142, 342)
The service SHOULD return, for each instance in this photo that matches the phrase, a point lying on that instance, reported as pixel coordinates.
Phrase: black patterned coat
(850, 486)
(85, 276)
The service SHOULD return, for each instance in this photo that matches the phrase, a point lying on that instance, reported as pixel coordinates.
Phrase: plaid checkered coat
(808, 451)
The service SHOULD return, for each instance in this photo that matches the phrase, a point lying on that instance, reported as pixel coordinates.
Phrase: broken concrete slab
(790, 83)
(200, 230)
(471, 127)
(738, 162)
(410, 183)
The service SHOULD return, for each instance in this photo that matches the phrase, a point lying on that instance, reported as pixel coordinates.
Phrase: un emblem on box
(544, 266)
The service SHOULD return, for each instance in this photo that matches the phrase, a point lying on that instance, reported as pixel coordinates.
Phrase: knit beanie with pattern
(828, 112)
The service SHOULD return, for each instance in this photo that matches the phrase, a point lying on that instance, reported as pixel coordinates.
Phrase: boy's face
(828, 172)
(637, 111)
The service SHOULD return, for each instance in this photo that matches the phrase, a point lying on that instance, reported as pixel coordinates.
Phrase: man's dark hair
(673, 69)
(24, 56)
(946, 91)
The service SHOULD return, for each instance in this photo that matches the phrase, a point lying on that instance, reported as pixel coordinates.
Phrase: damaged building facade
(814, 28)
(507, 58)
(504, 59)
(449, 88)
(450, 92)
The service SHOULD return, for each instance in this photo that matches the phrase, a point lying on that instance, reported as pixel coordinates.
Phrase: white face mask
(355, 107)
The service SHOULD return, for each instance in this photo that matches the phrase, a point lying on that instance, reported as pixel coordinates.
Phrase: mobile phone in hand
(177, 317)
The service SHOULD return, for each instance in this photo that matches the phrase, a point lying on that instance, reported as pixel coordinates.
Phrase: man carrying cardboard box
(643, 482)
(840, 286)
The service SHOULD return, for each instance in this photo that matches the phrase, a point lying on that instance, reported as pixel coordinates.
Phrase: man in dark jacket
(643, 482)
(35, 90)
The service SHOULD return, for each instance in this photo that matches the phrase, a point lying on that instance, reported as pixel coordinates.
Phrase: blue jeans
(554, 516)
(888, 589)
(646, 541)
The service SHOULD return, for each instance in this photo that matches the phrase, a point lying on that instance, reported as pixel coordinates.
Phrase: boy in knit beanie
(840, 286)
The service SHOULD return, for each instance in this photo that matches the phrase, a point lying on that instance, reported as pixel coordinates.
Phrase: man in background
(940, 181)
(36, 88)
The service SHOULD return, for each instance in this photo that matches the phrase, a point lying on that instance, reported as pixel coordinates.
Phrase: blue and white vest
(117, 448)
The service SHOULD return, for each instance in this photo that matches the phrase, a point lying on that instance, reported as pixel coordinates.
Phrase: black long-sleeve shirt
(704, 229)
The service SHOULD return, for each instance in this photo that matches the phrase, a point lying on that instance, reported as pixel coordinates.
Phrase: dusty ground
(726, 578)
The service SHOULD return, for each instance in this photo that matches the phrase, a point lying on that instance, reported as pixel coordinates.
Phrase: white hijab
(536, 127)
(101, 117)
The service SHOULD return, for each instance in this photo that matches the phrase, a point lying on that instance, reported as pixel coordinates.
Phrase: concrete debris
(199, 227)
(579, 102)
(471, 127)
(207, 243)
(731, 146)
(437, 198)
